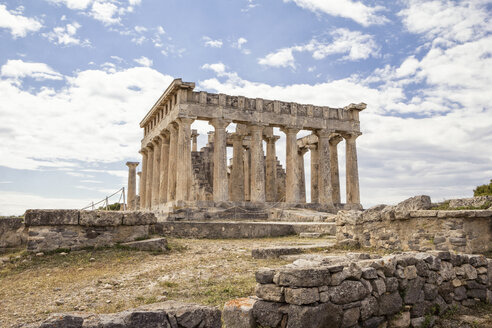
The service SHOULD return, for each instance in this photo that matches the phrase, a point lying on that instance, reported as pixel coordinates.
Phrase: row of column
(167, 168)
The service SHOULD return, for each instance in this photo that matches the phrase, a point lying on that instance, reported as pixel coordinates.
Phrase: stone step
(240, 229)
(154, 244)
(300, 215)
(278, 251)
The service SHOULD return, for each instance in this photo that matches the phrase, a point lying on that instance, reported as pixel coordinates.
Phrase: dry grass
(200, 271)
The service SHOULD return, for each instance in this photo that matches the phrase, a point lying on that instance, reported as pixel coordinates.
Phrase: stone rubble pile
(403, 290)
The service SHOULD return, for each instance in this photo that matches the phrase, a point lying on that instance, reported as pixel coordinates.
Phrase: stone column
(257, 165)
(247, 175)
(271, 169)
(335, 175)
(352, 170)
(183, 168)
(137, 203)
(163, 177)
(313, 149)
(194, 136)
(220, 185)
(156, 174)
(292, 194)
(132, 185)
(143, 178)
(302, 175)
(149, 179)
(171, 166)
(237, 174)
(324, 185)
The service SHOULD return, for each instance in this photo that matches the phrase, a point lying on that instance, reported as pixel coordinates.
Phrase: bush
(112, 207)
(483, 190)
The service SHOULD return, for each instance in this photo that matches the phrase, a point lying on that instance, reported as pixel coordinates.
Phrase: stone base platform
(280, 251)
(219, 230)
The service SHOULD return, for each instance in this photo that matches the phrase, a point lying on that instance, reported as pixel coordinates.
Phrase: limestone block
(238, 313)
(270, 292)
(348, 291)
(51, 217)
(413, 290)
(401, 320)
(369, 307)
(154, 244)
(350, 317)
(264, 275)
(138, 218)
(322, 315)
(353, 271)
(13, 233)
(101, 218)
(301, 296)
(390, 303)
(410, 272)
(267, 314)
(303, 277)
(369, 273)
(421, 202)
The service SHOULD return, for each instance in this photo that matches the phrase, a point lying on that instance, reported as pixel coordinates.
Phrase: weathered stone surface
(267, 314)
(350, 317)
(157, 315)
(301, 296)
(13, 233)
(319, 316)
(270, 292)
(401, 320)
(352, 271)
(348, 291)
(238, 313)
(264, 275)
(100, 218)
(422, 202)
(390, 303)
(413, 290)
(303, 277)
(369, 273)
(369, 307)
(51, 217)
(138, 218)
(154, 244)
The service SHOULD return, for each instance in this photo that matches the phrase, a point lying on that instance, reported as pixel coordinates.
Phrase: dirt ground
(114, 279)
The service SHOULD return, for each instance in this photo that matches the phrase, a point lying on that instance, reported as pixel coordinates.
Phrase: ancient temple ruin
(174, 170)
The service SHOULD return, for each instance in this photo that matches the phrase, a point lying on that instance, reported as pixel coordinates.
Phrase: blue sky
(77, 76)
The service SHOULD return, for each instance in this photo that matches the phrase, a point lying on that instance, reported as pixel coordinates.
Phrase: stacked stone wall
(12, 232)
(403, 290)
(391, 228)
(73, 229)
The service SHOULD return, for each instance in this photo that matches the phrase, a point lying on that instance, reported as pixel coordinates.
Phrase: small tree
(483, 190)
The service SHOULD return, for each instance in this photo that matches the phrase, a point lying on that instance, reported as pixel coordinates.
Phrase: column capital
(139, 173)
(324, 133)
(156, 141)
(290, 129)
(312, 146)
(335, 139)
(143, 151)
(185, 120)
(302, 150)
(219, 123)
(132, 164)
(237, 137)
(164, 137)
(194, 133)
(271, 139)
(349, 136)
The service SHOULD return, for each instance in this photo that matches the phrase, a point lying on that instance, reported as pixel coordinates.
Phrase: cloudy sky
(77, 76)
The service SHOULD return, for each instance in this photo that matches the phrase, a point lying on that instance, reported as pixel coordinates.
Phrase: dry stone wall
(387, 227)
(12, 232)
(73, 229)
(401, 290)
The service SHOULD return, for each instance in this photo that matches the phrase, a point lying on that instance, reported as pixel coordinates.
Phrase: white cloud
(144, 61)
(280, 58)
(65, 35)
(73, 4)
(160, 30)
(16, 70)
(354, 44)
(94, 117)
(354, 10)
(447, 21)
(239, 43)
(105, 12)
(212, 43)
(140, 29)
(218, 68)
(18, 25)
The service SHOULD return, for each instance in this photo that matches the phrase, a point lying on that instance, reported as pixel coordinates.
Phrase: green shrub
(483, 190)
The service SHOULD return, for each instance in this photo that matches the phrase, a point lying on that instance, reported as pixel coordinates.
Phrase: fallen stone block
(154, 244)
(238, 313)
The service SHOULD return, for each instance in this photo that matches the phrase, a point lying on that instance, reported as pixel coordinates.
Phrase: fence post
(93, 206)
(107, 203)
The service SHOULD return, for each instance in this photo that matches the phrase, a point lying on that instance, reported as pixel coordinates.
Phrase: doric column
(302, 175)
(247, 175)
(156, 174)
(138, 200)
(313, 149)
(352, 170)
(257, 165)
(237, 173)
(149, 179)
(324, 185)
(194, 136)
(220, 185)
(335, 175)
(271, 169)
(183, 178)
(171, 166)
(292, 194)
(163, 177)
(143, 178)
(132, 185)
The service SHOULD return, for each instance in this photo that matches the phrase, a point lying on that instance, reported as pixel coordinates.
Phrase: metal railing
(105, 201)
